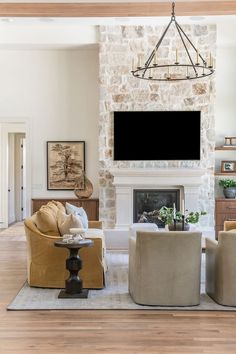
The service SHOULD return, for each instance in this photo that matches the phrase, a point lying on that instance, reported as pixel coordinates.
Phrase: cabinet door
(224, 210)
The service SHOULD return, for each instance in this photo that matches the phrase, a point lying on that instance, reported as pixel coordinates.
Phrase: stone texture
(120, 91)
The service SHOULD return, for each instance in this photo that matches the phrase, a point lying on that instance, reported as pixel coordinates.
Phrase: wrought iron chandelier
(189, 69)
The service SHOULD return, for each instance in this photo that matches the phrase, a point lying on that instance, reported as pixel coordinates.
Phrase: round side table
(74, 285)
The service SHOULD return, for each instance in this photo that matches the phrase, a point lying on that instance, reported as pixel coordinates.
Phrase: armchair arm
(211, 254)
(229, 225)
(95, 224)
(132, 264)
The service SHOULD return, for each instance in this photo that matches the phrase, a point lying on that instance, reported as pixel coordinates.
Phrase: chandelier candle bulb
(211, 61)
(197, 58)
(176, 56)
(139, 61)
(150, 72)
(133, 66)
(187, 75)
(168, 73)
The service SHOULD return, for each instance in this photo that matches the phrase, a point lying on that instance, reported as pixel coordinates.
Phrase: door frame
(12, 126)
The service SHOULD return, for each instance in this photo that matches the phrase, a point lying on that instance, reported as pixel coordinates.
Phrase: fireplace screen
(148, 201)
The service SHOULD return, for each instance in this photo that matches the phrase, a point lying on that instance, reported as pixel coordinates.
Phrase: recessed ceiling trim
(135, 9)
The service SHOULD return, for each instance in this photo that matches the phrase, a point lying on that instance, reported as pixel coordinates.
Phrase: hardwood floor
(100, 331)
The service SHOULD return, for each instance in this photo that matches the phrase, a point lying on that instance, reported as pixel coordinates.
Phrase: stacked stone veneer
(120, 91)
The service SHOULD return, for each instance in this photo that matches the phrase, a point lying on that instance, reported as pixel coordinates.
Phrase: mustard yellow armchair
(46, 263)
(229, 225)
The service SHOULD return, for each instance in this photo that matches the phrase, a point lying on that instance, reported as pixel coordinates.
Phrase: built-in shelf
(225, 174)
(225, 147)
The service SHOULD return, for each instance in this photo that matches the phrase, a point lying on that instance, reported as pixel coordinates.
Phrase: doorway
(16, 177)
(14, 173)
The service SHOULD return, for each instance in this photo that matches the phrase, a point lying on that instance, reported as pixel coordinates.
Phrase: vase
(171, 227)
(229, 192)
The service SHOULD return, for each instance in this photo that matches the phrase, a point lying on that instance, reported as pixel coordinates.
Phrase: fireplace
(187, 181)
(147, 201)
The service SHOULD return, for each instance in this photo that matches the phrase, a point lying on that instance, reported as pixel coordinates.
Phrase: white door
(23, 177)
(7, 200)
(11, 178)
(20, 190)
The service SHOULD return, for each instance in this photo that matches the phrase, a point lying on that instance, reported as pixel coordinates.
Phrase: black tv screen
(157, 135)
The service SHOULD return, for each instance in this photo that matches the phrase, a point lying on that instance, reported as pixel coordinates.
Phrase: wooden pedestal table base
(74, 285)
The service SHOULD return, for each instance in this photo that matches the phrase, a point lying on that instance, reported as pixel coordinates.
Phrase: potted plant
(166, 215)
(229, 187)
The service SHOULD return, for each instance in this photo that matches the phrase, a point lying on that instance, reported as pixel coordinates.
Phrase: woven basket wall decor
(87, 191)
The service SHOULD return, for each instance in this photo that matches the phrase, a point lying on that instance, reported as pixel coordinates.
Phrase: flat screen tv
(157, 135)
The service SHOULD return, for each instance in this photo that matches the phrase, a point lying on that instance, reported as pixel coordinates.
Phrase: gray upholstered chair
(221, 268)
(140, 226)
(165, 267)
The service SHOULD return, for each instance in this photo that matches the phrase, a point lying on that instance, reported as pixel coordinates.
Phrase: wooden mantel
(117, 9)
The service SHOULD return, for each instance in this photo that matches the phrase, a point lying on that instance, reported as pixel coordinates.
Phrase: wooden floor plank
(103, 331)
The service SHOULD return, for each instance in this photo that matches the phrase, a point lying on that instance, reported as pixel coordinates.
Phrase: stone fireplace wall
(120, 91)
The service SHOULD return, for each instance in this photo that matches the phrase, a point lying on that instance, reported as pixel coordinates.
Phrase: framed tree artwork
(65, 165)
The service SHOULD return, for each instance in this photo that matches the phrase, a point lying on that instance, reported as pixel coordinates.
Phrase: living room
(62, 79)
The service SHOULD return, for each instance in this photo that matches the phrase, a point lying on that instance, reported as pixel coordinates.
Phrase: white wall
(57, 91)
(225, 105)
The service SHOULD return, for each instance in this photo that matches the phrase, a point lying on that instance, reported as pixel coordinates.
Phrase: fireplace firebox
(147, 201)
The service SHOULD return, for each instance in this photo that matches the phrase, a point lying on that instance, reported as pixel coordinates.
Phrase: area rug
(114, 296)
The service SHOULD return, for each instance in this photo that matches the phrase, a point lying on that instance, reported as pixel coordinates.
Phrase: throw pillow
(52, 207)
(59, 205)
(72, 209)
(46, 221)
(66, 222)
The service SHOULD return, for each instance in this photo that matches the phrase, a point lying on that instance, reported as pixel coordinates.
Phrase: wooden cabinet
(91, 206)
(225, 209)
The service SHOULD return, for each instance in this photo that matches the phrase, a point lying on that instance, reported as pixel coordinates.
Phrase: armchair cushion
(66, 222)
(229, 225)
(59, 205)
(46, 220)
(72, 209)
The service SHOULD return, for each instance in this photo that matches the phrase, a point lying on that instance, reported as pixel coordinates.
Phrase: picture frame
(65, 165)
(228, 166)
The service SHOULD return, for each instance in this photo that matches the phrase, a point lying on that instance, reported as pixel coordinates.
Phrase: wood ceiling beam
(184, 8)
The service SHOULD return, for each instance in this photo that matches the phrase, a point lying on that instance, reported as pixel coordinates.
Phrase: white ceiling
(75, 32)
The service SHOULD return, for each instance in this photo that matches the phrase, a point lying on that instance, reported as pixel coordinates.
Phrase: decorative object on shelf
(229, 187)
(179, 68)
(77, 233)
(88, 187)
(228, 166)
(177, 220)
(65, 161)
(230, 141)
(70, 238)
